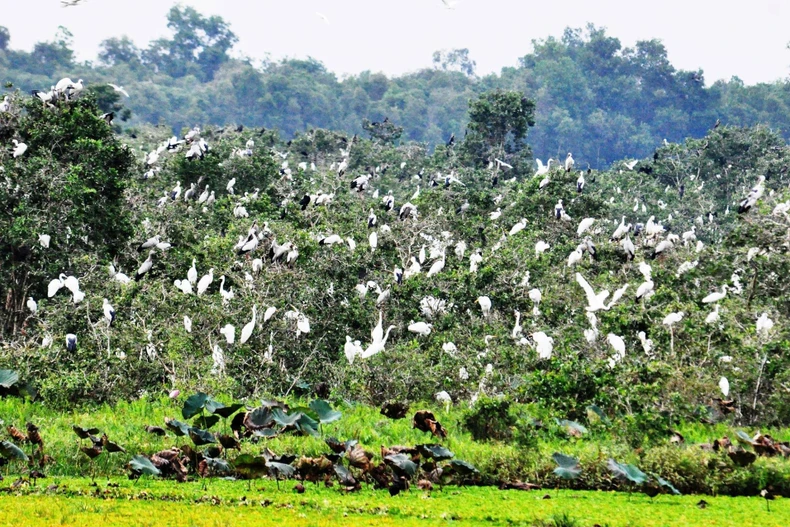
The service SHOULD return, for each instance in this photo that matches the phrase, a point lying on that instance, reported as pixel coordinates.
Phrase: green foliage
(490, 419)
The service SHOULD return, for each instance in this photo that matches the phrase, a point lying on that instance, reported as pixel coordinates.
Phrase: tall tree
(199, 45)
(69, 185)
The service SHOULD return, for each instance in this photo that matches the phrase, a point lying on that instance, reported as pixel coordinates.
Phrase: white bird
(421, 256)
(205, 282)
(724, 386)
(55, 285)
(713, 316)
(543, 169)
(228, 295)
(485, 305)
(71, 342)
(119, 89)
(764, 325)
(645, 290)
(187, 324)
(352, 349)
(373, 241)
(302, 324)
(192, 274)
(618, 294)
(19, 148)
(585, 224)
(109, 311)
(383, 296)
(496, 214)
(541, 247)
(618, 344)
(518, 227)
(330, 240)
(31, 305)
(569, 163)
(621, 231)
(754, 195)
(673, 318)
(580, 183)
(517, 329)
(595, 302)
(647, 344)
(544, 344)
(376, 346)
(145, 267)
(229, 331)
(421, 328)
(715, 297)
(246, 331)
(43, 240)
(184, 286)
(269, 313)
(437, 266)
(575, 257)
(536, 296)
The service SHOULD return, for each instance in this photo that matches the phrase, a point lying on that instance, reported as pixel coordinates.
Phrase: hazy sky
(723, 37)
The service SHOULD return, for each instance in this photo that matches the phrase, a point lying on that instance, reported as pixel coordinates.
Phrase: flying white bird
(118, 89)
(595, 302)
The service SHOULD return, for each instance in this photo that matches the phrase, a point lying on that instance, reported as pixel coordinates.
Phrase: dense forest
(594, 97)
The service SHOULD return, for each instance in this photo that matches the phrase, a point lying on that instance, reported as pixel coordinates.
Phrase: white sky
(723, 37)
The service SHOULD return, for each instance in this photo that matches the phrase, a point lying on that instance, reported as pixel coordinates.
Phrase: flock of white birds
(652, 240)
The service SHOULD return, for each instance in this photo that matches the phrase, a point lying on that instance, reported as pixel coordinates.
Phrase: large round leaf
(8, 378)
(206, 421)
(626, 472)
(463, 468)
(194, 405)
(11, 451)
(325, 412)
(225, 411)
(179, 428)
(201, 437)
(251, 466)
(280, 469)
(84, 433)
(143, 465)
(436, 452)
(401, 464)
(283, 419)
(666, 484)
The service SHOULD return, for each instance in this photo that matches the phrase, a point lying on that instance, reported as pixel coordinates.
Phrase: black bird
(305, 201)
(682, 190)
(451, 142)
(495, 181)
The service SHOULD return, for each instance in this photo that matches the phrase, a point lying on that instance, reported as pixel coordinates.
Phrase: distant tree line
(594, 97)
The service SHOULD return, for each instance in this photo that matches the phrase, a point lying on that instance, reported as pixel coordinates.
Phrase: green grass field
(239, 503)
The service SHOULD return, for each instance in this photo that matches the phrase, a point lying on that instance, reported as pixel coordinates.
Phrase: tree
(455, 60)
(5, 37)
(115, 51)
(384, 131)
(48, 57)
(498, 124)
(199, 45)
(69, 185)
